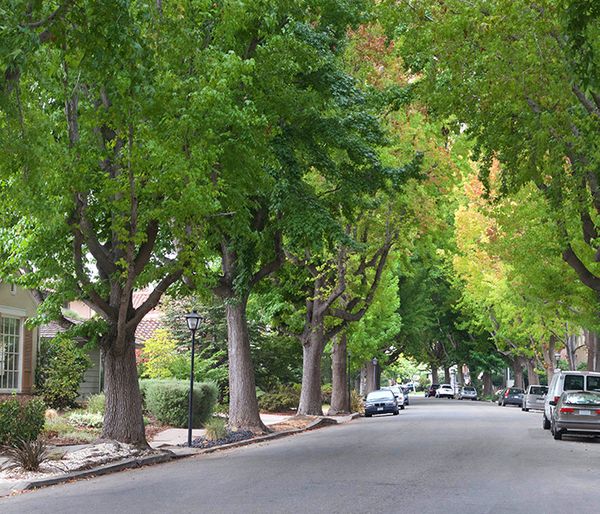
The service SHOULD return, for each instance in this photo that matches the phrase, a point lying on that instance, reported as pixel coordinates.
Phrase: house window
(10, 347)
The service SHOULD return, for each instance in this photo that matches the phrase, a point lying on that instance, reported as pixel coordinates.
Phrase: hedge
(167, 401)
(283, 399)
(20, 420)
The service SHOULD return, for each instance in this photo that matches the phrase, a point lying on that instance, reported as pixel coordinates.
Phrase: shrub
(158, 354)
(215, 429)
(86, 419)
(284, 398)
(356, 402)
(21, 421)
(27, 455)
(326, 391)
(96, 403)
(60, 369)
(167, 401)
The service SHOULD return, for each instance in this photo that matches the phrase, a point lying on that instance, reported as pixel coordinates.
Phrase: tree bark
(370, 377)
(340, 400)
(435, 379)
(488, 387)
(517, 366)
(243, 405)
(548, 354)
(123, 419)
(446, 374)
(532, 377)
(460, 374)
(310, 394)
(591, 342)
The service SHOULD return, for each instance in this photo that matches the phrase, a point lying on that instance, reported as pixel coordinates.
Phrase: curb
(98, 471)
(169, 455)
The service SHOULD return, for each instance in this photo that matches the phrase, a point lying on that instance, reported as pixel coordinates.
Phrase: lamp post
(374, 362)
(193, 320)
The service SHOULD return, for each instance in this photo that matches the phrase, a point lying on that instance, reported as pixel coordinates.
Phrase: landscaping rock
(232, 437)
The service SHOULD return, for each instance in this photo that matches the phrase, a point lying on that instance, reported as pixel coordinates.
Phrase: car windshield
(515, 391)
(446, 386)
(582, 398)
(380, 395)
(469, 389)
(573, 383)
(593, 383)
(538, 390)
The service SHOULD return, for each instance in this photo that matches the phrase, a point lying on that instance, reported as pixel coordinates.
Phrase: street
(437, 456)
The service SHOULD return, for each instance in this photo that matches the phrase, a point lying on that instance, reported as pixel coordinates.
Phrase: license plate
(379, 408)
(585, 412)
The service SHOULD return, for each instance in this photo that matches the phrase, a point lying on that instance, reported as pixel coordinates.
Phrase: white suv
(445, 390)
(568, 381)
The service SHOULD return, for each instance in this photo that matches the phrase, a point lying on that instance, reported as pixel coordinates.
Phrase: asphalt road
(437, 456)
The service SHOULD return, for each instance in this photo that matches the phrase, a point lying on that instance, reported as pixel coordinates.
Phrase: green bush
(215, 429)
(96, 403)
(21, 421)
(60, 369)
(284, 398)
(86, 419)
(167, 400)
(326, 391)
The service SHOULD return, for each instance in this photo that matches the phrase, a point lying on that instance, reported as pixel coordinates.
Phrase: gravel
(232, 437)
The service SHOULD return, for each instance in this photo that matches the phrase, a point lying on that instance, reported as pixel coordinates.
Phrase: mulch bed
(232, 437)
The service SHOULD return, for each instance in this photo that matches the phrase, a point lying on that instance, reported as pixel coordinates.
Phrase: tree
(112, 119)
(519, 79)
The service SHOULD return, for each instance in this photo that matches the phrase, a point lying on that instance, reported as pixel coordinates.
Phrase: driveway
(440, 456)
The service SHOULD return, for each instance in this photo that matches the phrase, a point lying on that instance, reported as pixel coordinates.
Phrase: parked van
(568, 381)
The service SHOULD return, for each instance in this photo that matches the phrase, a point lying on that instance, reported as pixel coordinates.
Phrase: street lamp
(193, 320)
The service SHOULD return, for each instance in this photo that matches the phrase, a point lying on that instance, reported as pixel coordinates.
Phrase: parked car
(431, 391)
(567, 381)
(406, 390)
(445, 391)
(511, 396)
(467, 393)
(398, 394)
(576, 412)
(381, 402)
(534, 397)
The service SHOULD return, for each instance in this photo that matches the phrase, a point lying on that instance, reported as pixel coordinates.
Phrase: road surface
(441, 456)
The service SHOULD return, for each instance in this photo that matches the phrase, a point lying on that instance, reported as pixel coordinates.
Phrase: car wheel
(396, 412)
(557, 434)
(368, 415)
(525, 409)
(545, 422)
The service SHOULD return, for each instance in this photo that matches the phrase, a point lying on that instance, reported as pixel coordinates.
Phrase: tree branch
(585, 275)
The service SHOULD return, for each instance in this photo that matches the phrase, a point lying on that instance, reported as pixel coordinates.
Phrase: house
(18, 344)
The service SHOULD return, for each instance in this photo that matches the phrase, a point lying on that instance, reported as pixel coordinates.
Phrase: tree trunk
(446, 374)
(340, 399)
(363, 380)
(435, 379)
(243, 405)
(532, 376)
(460, 375)
(123, 420)
(310, 394)
(548, 354)
(517, 366)
(591, 342)
(488, 387)
(371, 379)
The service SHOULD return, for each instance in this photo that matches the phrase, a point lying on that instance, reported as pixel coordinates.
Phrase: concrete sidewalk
(174, 437)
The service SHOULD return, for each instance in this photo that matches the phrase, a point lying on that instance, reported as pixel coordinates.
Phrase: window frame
(20, 315)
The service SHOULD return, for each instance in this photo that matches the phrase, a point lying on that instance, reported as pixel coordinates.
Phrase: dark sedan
(511, 396)
(432, 390)
(381, 402)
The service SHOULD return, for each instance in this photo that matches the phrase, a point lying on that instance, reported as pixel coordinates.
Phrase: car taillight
(597, 411)
(506, 394)
(556, 398)
(567, 410)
